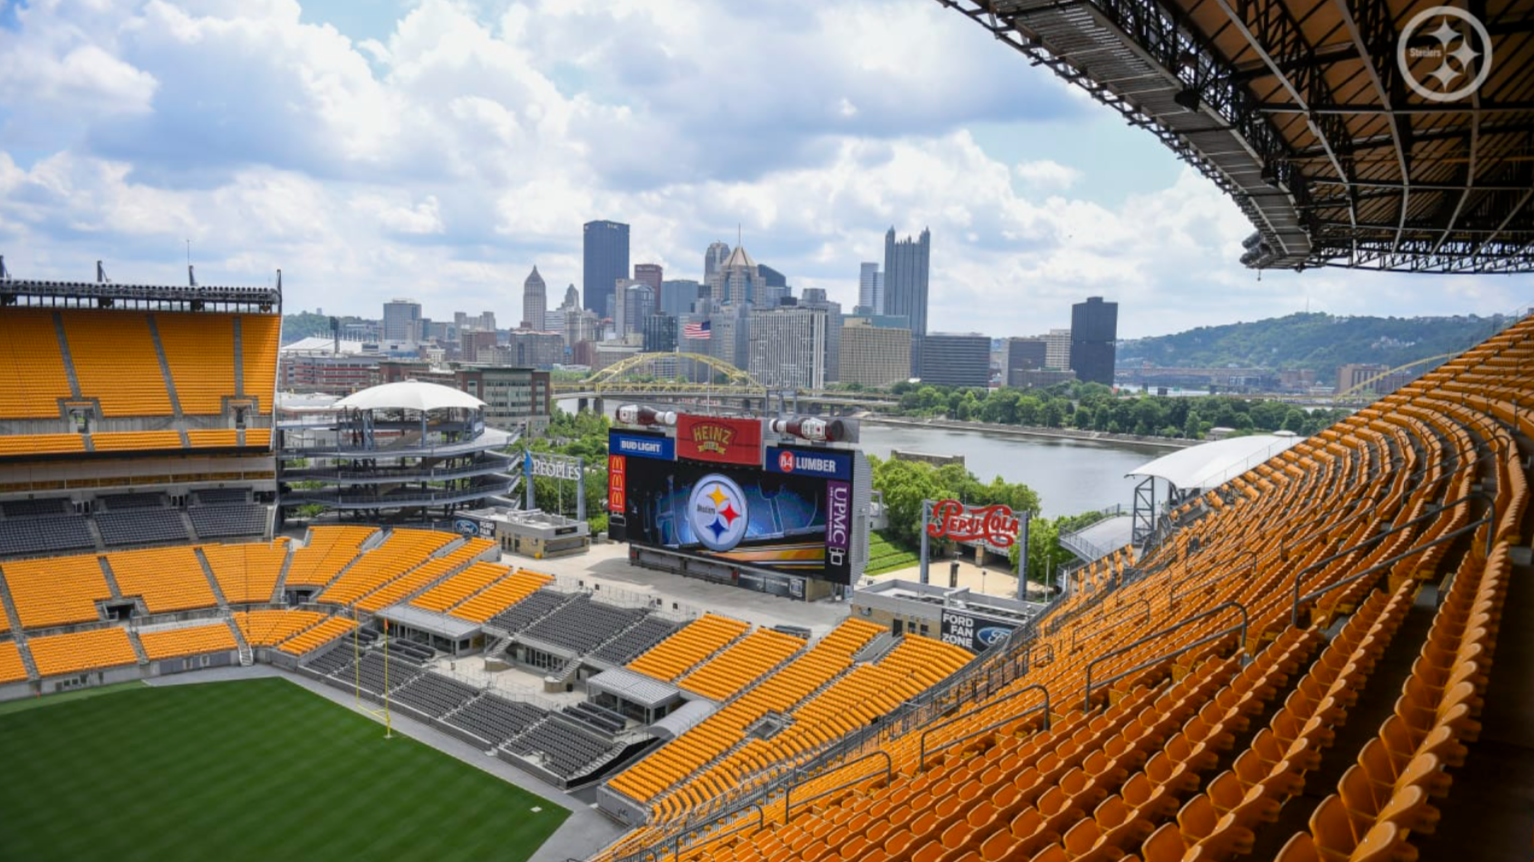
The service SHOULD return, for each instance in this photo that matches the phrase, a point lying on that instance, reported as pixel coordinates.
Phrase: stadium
(1307, 664)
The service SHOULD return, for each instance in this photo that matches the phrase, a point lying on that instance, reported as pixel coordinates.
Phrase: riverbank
(1029, 431)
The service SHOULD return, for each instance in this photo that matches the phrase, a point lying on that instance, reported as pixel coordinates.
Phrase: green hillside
(1320, 342)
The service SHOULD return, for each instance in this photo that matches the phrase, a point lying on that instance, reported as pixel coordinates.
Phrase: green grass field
(252, 770)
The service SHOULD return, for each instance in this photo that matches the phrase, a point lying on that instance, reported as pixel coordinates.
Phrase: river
(1069, 476)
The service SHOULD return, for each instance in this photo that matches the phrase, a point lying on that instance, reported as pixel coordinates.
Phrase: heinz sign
(994, 525)
(719, 439)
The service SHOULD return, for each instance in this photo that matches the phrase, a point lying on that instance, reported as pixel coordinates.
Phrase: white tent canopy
(1209, 464)
(410, 395)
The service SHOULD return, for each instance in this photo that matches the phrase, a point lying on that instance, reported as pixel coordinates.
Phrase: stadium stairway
(207, 572)
(170, 382)
(282, 575)
(111, 579)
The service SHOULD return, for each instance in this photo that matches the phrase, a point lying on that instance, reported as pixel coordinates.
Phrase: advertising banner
(719, 439)
(961, 629)
(747, 516)
(635, 445)
(617, 482)
(809, 462)
(995, 526)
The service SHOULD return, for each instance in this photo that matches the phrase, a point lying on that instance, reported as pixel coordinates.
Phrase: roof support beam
(1371, 32)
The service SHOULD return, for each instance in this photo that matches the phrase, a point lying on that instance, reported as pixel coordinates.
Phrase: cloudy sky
(438, 150)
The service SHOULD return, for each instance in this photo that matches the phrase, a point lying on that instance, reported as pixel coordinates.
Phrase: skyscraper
(956, 359)
(1057, 349)
(1094, 328)
(402, 320)
(651, 274)
(871, 288)
(815, 297)
(535, 300)
(906, 265)
(737, 280)
(677, 296)
(606, 259)
(638, 303)
(788, 347)
(659, 333)
(872, 355)
(717, 254)
(572, 298)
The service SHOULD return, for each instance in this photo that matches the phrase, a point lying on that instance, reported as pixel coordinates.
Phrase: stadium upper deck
(1374, 133)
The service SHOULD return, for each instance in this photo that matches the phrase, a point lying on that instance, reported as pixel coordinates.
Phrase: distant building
(475, 345)
(677, 296)
(611, 352)
(553, 320)
(605, 259)
(535, 300)
(788, 347)
(872, 355)
(659, 333)
(956, 359)
(884, 321)
(580, 325)
(906, 266)
(651, 274)
(531, 349)
(1057, 349)
(1023, 354)
(402, 320)
(513, 397)
(714, 258)
(1094, 329)
(1037, 378)
(737, 281)
(730, 338)
(815, 297)
(1356, 374)
(332, 374)
(871, 288)
(638, 303)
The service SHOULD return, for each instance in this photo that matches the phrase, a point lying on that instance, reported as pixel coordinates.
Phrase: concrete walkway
(607, 566)
(581, 835)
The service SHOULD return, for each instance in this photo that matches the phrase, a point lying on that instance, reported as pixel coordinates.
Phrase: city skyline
(305, 152)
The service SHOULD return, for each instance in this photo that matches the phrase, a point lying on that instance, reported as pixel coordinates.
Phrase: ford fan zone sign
(994, 525)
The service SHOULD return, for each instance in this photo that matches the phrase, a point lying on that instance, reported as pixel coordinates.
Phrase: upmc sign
(994, 525)
(720, 440)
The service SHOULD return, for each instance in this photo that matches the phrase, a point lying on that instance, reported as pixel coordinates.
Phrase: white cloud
(445, 159)
(1047, 175)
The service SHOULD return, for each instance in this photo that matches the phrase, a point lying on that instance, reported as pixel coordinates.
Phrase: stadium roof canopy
(1359, 133)
(1209, 464)
(410, 395)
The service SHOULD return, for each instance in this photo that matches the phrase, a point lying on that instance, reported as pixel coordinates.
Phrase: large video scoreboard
(716, 491)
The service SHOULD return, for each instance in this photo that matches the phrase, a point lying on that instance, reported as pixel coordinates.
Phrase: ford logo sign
(991, 634)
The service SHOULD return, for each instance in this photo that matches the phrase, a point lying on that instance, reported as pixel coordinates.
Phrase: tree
(1051, 415)
(1191, 428)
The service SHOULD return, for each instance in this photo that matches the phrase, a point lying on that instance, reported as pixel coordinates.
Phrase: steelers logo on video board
(717, 512)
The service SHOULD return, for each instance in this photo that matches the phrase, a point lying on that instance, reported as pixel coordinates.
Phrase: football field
(250, 770)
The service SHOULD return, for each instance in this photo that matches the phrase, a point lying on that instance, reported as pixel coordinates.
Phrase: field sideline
(248, 770)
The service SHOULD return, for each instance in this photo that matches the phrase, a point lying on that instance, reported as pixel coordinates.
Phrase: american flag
(700, 331)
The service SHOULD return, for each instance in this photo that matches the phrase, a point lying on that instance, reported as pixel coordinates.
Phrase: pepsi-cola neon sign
(995, 525)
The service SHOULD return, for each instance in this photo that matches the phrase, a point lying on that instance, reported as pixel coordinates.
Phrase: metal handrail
(1299, 577)
(761, 820)
(1134, 603)
(1447, 537)
(889, 769)
(921, 762)
(1164, 656)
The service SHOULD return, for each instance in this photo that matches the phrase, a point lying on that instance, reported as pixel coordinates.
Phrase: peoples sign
(994, 525)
